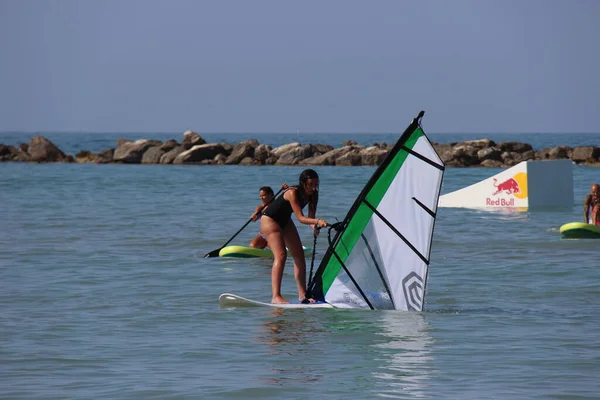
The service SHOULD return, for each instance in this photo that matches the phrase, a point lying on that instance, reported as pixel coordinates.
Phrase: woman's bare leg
(274, 235)
(294, 244)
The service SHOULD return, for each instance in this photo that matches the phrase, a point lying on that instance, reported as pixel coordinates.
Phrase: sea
(105, 292)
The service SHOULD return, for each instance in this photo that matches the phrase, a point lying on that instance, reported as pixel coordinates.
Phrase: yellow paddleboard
(580, 230)
(248, 252)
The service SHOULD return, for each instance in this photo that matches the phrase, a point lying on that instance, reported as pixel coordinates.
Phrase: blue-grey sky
(477, 66)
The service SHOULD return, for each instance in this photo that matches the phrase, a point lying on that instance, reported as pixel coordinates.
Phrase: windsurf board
(228, 300)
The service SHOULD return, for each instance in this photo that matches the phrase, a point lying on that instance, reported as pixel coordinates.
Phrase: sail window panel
(424, 147)
(362, 259)
(343, 294)
(417, 180)
(404, 267)
(366, 266)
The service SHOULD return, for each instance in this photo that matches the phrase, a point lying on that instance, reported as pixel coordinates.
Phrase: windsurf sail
(379, 256)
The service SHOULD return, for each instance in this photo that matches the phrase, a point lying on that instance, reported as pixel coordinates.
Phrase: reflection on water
(385, 353)
(405, 359)
(290, 336)
(283, 329)
(508, 213)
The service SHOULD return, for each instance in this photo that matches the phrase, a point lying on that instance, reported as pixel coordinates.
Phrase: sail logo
(412, 284)
(505, 192)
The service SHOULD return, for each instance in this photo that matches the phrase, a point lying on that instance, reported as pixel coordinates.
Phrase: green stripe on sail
(363, 214)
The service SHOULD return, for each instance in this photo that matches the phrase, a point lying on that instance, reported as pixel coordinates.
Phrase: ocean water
(105, 294)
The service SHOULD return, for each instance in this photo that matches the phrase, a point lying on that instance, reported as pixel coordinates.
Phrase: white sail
(379, 258)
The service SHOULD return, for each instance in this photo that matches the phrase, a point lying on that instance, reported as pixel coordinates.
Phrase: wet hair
(267, 190)
(304, 176)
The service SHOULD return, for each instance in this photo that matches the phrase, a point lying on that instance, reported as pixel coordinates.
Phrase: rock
(242, 150)
(220, 158)
(171, 155)
(199, 153)
(227, 148)
(322, 149)
(480, 143)
(516, 147)
(373, 155)
(490, 163)
(7, 153)
(296, 155)
(528, 155)
(350, 158)
(105, 156)
(585, 154)
(153, 155)
(271, 160)
(131, 152)
(554, 153)
(191, 139)
(465, 154)
(42, 150)
(328, 158)
(444, 151)
(283, 149)
(247, 161)
(169, 145)
(85, 157)
(261, 153)
(123, 141)
(489, 153)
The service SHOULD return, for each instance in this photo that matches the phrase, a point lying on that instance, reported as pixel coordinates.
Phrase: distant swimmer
(591, 206)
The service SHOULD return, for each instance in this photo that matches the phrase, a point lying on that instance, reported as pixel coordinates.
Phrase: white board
(231, 300)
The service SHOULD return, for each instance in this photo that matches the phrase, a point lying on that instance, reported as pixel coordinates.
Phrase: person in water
(277, 226)
(266, 196)
(591, 206)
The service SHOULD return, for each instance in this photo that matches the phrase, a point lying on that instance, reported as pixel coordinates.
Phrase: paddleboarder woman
(277, 226)
(590, 205)
(266, 196)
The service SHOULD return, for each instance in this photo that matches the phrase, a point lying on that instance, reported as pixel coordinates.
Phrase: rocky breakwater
(194, 150)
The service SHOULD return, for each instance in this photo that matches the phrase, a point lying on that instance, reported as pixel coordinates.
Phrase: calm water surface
(105, 295)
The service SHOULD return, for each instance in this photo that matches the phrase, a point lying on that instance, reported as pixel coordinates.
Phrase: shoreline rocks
(193, 150)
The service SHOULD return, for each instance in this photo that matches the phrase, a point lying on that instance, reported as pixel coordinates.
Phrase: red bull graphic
(509, 186)
(506, 191)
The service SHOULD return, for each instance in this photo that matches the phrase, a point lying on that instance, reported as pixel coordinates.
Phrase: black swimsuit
(281, 211)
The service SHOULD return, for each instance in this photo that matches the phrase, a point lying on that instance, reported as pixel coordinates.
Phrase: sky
(474, 66)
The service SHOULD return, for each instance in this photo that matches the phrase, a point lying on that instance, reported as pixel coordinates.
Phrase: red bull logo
(515, 187)
(509, 186)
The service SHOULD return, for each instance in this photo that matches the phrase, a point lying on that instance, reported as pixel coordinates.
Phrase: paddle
(215, 253)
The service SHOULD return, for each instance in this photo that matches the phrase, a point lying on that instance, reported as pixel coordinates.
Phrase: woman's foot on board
(279, 300)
